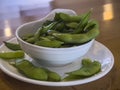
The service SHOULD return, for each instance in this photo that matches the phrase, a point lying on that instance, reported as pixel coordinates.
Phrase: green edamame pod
(47, 22)
(46, 28)
(37, 34)
(12, 55)
(88, 69)
(52, 43)
(50, 38)
(83, 22)
(86, 62)
(70, 38)
(77, 38)
(59, 26)
(91, 24)
(25, 37)
(43, 30)
(93, 33)
(31, 40)
(72, 77)
(68, 18)
(57, 17)
(44, 38)
(52, 76)
(12, 46)
(29, 70)
(72, 25)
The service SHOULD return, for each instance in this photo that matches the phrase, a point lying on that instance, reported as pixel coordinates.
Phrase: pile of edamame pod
(64, 31)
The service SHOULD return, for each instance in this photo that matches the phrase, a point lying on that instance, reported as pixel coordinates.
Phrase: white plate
(97, 52)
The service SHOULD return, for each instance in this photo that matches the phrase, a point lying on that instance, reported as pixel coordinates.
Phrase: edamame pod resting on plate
(33, 72)
(12, 46)
(88, 69)
(29, 70)
(52, 76)
(12, 55)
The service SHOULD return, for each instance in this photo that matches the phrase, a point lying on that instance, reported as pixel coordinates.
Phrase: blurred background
(13, 13)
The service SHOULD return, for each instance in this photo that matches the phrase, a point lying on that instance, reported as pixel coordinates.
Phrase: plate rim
(49, 83)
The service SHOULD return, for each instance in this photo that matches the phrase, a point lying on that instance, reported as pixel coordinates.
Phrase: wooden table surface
(108, 15)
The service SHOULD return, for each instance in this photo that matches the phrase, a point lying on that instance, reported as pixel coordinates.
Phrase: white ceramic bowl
(50, 56)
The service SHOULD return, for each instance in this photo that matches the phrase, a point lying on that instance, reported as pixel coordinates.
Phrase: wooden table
(108, 15)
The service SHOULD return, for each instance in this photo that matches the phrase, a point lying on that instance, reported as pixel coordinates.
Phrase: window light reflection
(108, 12)
(7, 30)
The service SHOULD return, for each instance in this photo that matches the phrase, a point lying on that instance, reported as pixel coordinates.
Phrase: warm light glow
(7, 29)
(108, 11)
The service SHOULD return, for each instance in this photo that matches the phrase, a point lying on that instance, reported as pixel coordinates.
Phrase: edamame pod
(12, 55)
(12, 46)
(46, 28)
(60, 26)
(72, 25)
(57, 17)
(45, 38)
(77, 38)
(91, 24)
(52, 43)
(50, 38)
(47, 22)
(72, 77)
(42, 30)
(83, 22)
(52, 76)
(86, 62)
(31, 40)
(67, 18)
(27, 36)
(29, 70)
(88, 69)
(37, 34)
